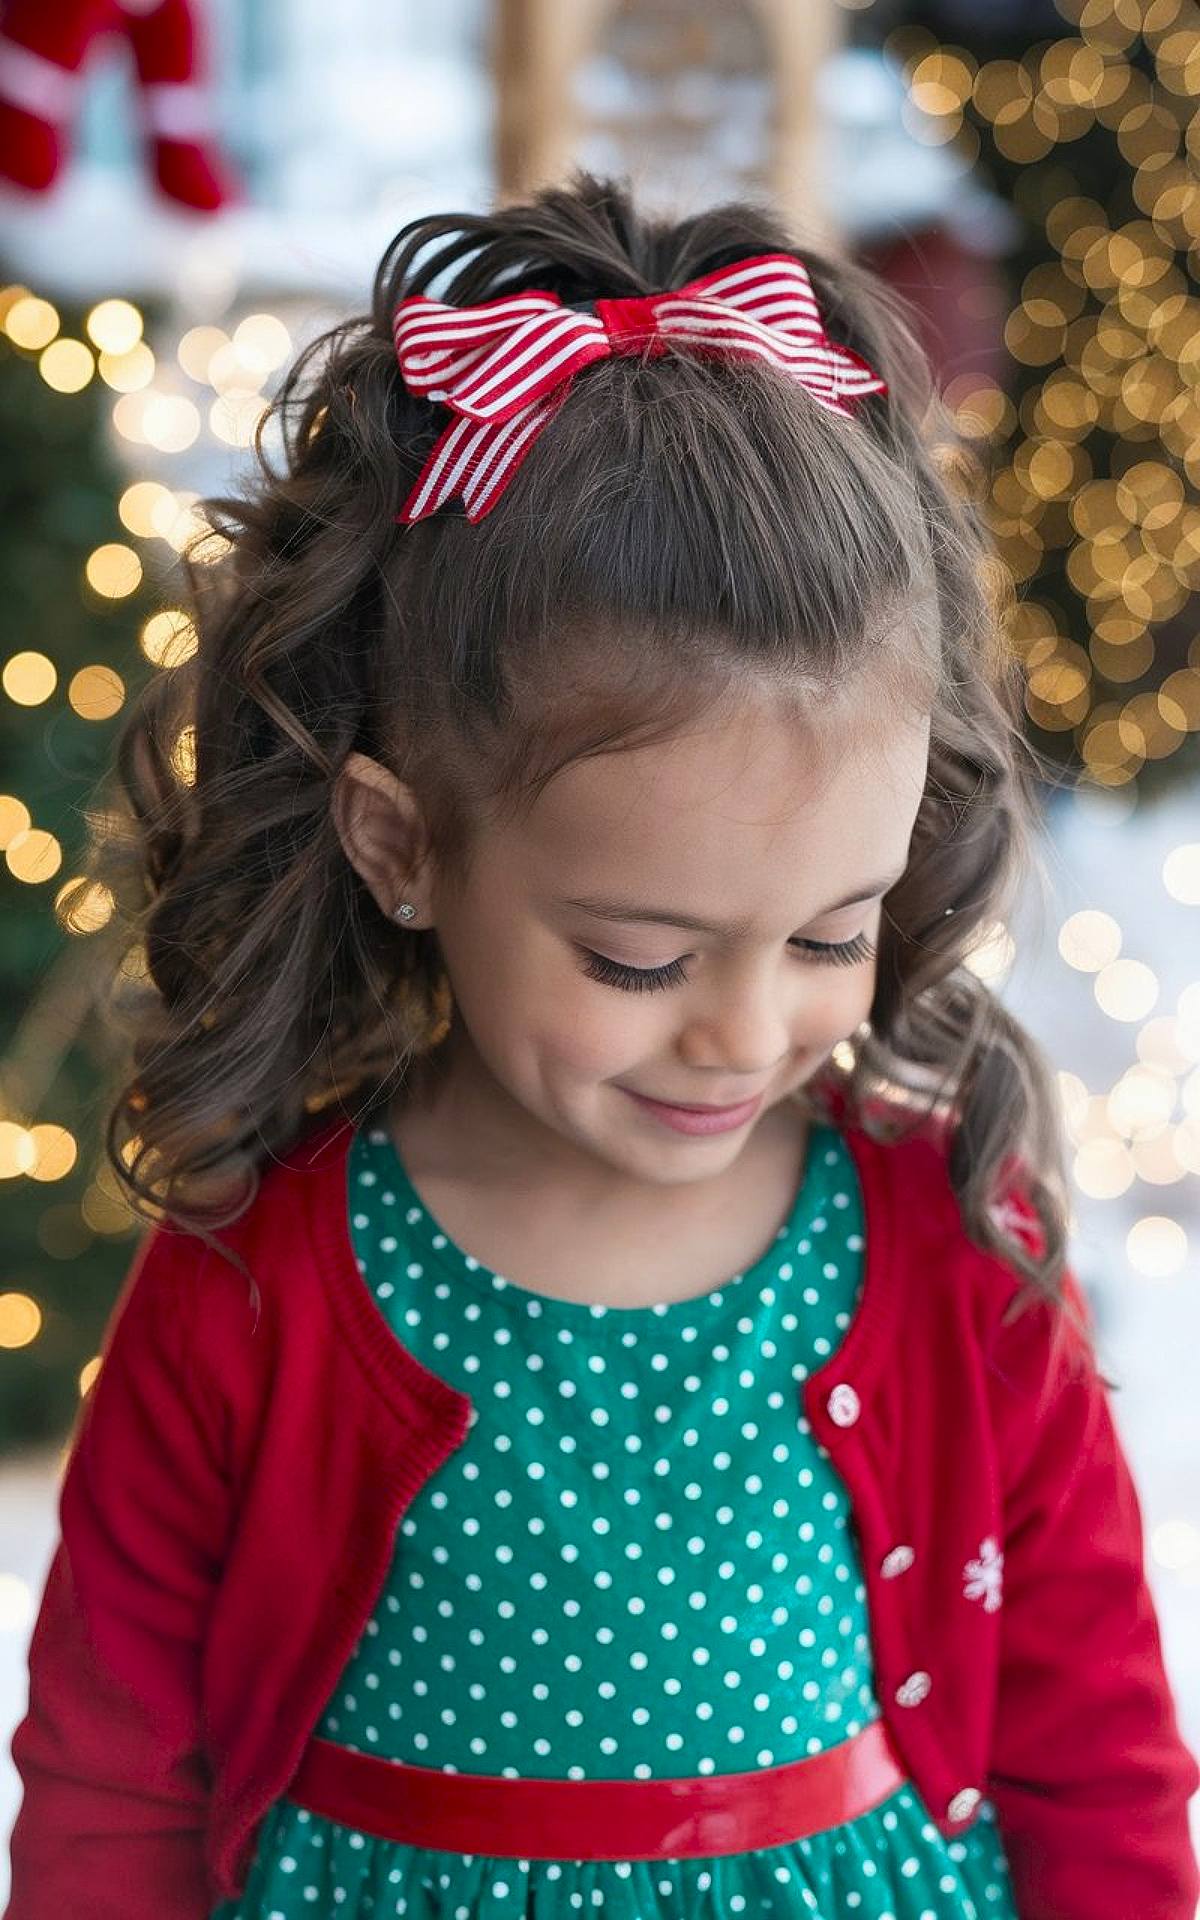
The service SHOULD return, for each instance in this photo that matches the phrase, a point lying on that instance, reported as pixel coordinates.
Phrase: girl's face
(574, 986)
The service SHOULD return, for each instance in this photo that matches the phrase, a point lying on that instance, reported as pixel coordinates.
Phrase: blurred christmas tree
(73, 594)
(1082, 118)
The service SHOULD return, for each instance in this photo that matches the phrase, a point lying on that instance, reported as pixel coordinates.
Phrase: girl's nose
(746, 1031)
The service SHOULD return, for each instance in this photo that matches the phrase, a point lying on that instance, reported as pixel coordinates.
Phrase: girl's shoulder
(910, 1153)
(905, 1162)
(234, 1277)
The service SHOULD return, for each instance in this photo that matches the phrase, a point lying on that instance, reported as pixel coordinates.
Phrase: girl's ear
(382, 829)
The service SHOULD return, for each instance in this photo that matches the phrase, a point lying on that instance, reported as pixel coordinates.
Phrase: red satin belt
(535, 1819)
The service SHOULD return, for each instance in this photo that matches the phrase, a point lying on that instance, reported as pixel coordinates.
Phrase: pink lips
(699, 1120)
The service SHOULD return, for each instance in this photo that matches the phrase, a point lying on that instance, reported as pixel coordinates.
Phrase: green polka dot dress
(640, 1563)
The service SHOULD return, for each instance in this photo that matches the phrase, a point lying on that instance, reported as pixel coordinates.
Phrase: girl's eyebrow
(668, 917)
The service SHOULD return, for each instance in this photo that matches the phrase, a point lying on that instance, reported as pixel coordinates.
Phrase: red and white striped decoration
(504, 368)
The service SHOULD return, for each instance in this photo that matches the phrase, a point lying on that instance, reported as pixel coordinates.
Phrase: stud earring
(404, 911)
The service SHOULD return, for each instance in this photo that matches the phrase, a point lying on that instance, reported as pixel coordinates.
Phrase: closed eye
(613, 973)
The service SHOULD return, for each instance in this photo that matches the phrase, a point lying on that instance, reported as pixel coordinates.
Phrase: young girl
(601, 1420)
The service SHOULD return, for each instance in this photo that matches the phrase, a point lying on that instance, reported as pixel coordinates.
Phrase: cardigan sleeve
(1089, 1775)
(110, 1754)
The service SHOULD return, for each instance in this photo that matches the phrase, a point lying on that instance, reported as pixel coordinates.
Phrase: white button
(843, 1405)
(899, 1560)
(963, 1804)
(914, 1689)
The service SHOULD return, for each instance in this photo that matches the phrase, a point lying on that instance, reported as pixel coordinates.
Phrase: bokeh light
(115, 326)
(29, 678)
(1126, 989)
(66, 365)
(31, 323)
(168, 638)
(1156, 1246)
(113, 571)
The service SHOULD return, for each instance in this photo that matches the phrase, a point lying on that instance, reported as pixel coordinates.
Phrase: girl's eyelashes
(632, 979)
(613, 973)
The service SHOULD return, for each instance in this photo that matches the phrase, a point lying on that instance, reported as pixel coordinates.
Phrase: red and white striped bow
(505, 368)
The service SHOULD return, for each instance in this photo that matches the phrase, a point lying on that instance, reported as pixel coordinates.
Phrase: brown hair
(682, 527)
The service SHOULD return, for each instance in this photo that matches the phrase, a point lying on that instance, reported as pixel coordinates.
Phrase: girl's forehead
(753, 765)
(716, 797)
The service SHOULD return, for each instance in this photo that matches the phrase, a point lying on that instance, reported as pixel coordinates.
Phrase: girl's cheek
(851, 1004)
(594, 1030)
(835, 1006)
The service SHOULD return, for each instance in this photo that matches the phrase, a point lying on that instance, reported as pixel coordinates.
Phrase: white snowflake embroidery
(983, 1576)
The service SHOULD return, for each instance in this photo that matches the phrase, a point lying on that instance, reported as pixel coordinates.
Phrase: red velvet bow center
(632, 324)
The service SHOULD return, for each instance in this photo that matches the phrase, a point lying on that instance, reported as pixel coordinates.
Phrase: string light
(55, 1151)
(29, 678)
(20, 1320)
(83, 906)
(17, 1151)
(196, 349)
(115, 326)
(168, 638)
(1156, 1246)
(33, 855)
(66, 365)
(1181, 874)
(1089, 940)
(143, 506)
(14, 818)
(1125, 989)
(113, 571)
(96, 693)
(31, 323)
(262, 341)
(128, 372)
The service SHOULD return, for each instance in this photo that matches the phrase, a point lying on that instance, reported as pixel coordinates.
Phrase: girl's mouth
(699, 1120)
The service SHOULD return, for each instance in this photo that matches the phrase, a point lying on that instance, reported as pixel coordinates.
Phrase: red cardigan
(230, 1506)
